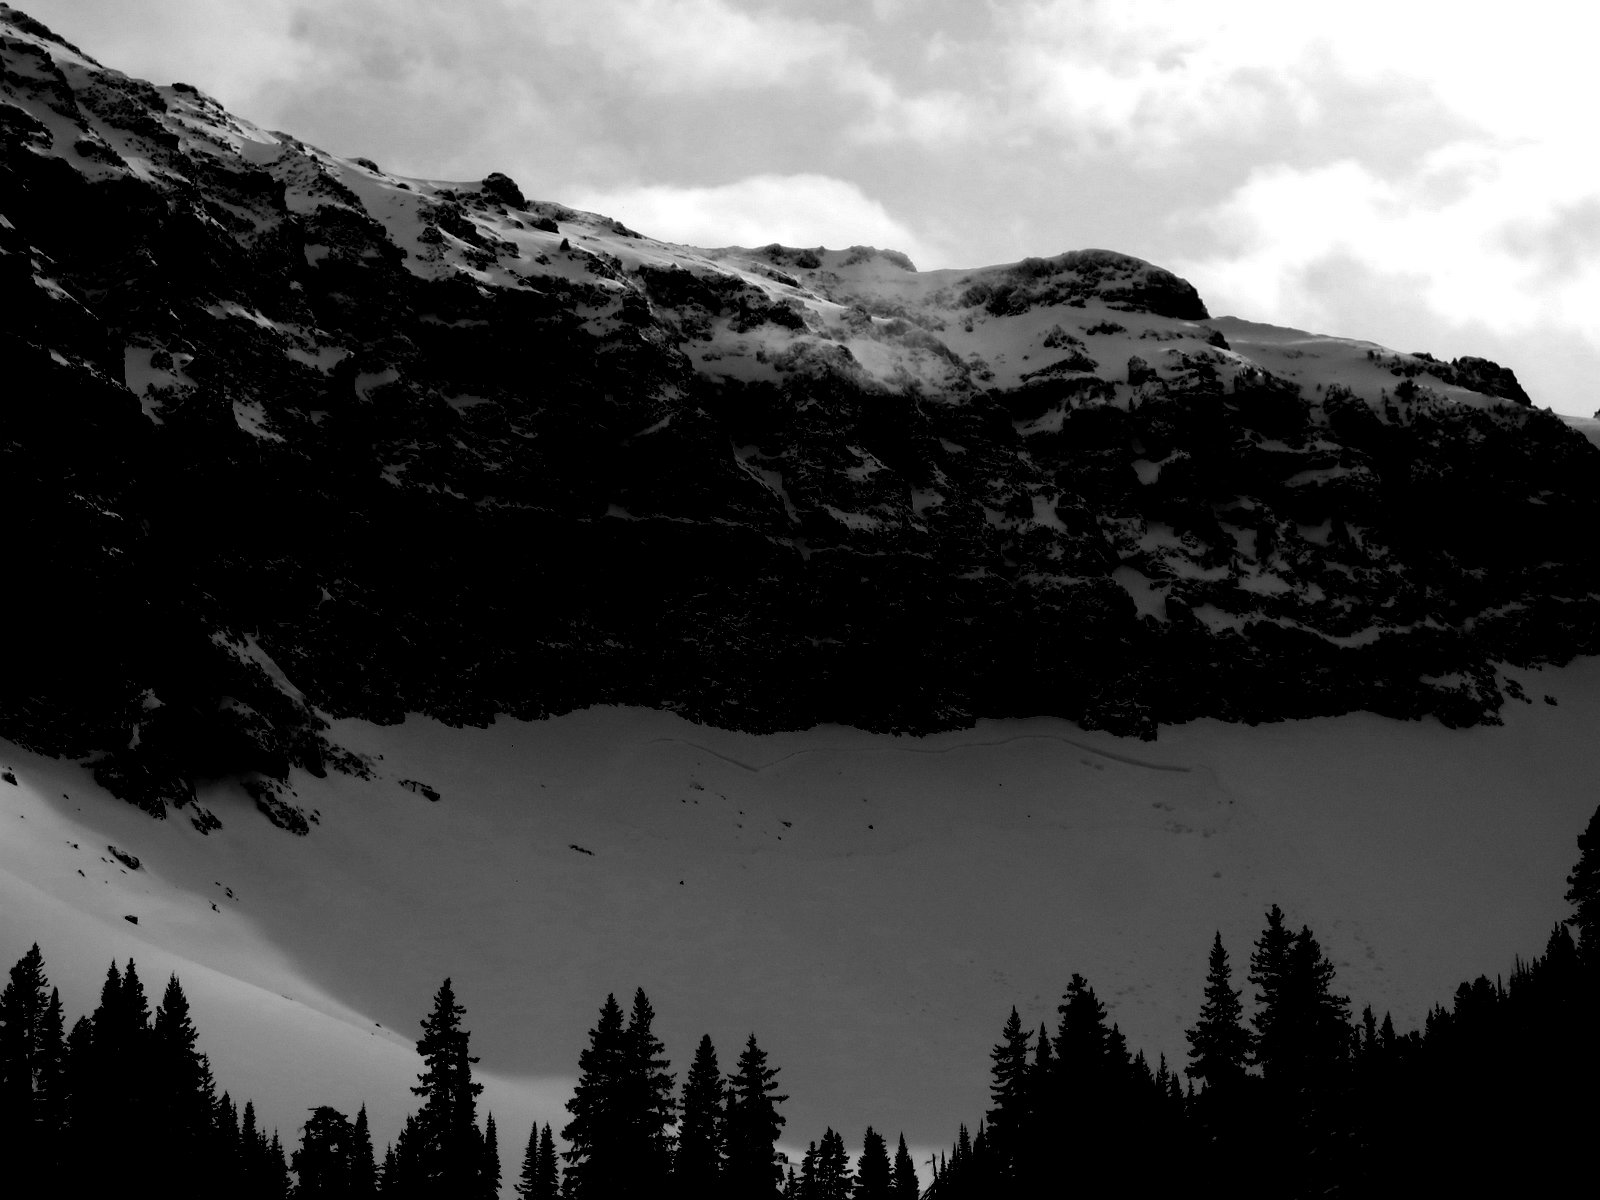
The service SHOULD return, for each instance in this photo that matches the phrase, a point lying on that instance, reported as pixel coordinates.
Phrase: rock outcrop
(288, 437)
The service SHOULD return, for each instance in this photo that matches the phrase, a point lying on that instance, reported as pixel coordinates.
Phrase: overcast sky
(1420, 174)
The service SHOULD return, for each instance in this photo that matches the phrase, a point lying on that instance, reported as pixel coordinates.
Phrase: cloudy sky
(1419, 174)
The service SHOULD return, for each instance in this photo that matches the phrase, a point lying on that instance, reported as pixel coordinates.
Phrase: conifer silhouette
(753, 1125)
(323, 1162)
(597, 1136)
(906, 1185)
(489, 1162)
(833, 1174)
(1219, 1043)
(1583, 892)
(648, 1105)
(446, 1144)
(363, 1169)
(702, 1134)
(1008, 1095)
(874, 1176)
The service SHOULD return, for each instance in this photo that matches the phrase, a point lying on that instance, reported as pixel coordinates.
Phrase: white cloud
(1465, 226)
(1145, 76)
(693, 45)
(797, 210)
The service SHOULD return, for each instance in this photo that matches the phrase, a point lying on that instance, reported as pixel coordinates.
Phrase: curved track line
(755, 769)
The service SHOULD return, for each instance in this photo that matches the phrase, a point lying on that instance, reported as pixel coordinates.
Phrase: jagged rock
(131, 861)
(446, 472)
(501, 189)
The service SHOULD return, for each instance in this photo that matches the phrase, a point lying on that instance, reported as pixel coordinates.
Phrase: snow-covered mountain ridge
(292, 437)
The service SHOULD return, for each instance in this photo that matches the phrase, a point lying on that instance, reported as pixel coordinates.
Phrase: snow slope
(870, 906)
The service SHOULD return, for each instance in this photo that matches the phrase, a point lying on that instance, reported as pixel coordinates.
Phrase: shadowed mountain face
(286, 436)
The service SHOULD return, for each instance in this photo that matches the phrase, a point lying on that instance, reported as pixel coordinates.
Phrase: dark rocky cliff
(286, 437)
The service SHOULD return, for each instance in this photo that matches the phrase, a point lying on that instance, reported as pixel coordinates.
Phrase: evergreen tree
(597, 1136)
(1583, 892)
(874, 1180)
(956, 1180)
(981, 1171)
(23, 1006)
(277, 1170)
(322, 1164)
(226, 1165)
(182, 1093)
(1219, 1043)
(1092, 1100)
(527, 1185)
(1302, 1045)
(541, 1176)
(833, 1175)
(449, 1149)
(906, 1184)
(1008, 1094)
(647, 1103)
(406, 1177)
(1319, 1019)
(116, 1078)
(363, 1170)
(753, 1125)
(51, 1098)
(549, 1176)
(809, 1187)
(1269, 968)
(489, 1165)
(389, 1181)
(1081, 1037)
(261, 1160)
(697, 1168)
(1031, 1159)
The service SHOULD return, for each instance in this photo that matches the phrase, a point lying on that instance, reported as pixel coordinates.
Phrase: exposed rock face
(289, 437)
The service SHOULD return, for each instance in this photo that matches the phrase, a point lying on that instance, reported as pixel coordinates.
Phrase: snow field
(869, 906)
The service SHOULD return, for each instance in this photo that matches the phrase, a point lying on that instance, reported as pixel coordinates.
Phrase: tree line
(1294, 1098)
(1494, 1095)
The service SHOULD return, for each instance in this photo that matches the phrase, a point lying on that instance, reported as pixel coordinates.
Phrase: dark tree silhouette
(323, 1163)
(32, 1073)
(113, 1076)
(698, 1165)
(448, 1148)
(1219, 1043)
(541, 1175)
(874, 1176)
(597, 1136)
(528, 1179)
(807, 1189)
(182, 1092)
(1583, 892)
(549, 1175)
(753, 1126)
(648, 1103)
(1008, 1096)
(906, 1185)
(1269, 968)
(363, 1168)
(833, 1175)
(489, 1162)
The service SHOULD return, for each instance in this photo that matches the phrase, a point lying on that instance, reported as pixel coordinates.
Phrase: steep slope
(291, 438)
(871, 906)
